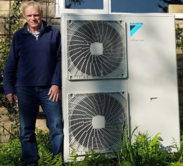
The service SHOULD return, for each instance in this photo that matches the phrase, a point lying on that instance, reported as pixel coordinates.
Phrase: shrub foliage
(144, 151)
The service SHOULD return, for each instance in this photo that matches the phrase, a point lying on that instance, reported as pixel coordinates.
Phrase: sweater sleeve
(9, 77)
(56, 80)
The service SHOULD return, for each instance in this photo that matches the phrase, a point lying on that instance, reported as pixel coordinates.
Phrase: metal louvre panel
(96, 50)
(96, 120)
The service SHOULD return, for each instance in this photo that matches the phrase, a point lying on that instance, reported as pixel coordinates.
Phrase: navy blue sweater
(33, 62)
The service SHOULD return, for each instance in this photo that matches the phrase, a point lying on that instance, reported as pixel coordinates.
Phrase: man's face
(33, 18)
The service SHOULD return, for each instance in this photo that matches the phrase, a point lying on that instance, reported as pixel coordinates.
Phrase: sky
(135, 6)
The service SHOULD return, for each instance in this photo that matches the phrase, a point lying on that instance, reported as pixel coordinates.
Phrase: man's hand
(11, 98)
(54, 93)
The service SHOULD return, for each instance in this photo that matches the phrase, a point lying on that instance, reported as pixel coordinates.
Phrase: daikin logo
(134, 27)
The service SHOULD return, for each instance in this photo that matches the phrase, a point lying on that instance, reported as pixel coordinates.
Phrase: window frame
(60, 9)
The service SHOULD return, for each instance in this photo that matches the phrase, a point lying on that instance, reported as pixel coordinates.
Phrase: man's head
(33, 14)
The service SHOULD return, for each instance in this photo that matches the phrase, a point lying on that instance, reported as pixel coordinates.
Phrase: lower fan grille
(96, 121)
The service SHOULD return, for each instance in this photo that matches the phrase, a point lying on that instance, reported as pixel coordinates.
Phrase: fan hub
(96, 48)
(98, 122)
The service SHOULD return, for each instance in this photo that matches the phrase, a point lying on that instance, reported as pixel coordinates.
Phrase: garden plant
(144, 151)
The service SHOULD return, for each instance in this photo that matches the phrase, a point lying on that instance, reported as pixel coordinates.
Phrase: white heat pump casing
(151, 81)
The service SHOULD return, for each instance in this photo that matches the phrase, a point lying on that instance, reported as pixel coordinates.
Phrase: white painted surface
(152, 76)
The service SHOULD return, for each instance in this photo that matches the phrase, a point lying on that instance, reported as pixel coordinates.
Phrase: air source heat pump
(96, 121)
(118, 68)
(96, 49)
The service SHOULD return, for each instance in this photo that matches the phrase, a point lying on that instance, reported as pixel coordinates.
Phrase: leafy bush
(91, 159)
(179, 36)
(146, 151)
(10, 153)
(4, 51)
(12, 24)
(143, 152)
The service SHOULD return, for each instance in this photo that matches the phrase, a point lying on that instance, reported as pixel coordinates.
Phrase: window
(84, 4)
(137, 6)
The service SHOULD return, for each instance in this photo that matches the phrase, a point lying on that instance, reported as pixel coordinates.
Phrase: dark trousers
(29, 99)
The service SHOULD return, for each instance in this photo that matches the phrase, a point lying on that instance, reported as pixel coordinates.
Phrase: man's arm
(54, 91)
(56, 79)
(9, 76)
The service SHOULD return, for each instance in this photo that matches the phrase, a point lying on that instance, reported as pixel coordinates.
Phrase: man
(34, 66)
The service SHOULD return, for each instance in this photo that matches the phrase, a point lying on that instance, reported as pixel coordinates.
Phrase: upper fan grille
(96, 49)
(87, 115)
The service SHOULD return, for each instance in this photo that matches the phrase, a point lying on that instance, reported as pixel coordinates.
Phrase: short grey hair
(31, 3)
